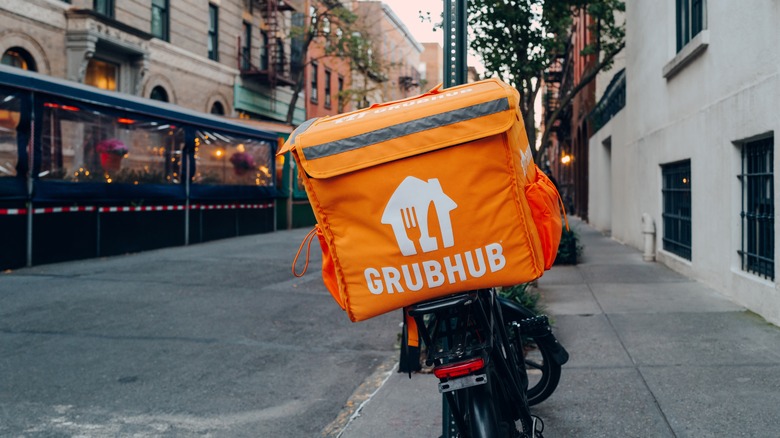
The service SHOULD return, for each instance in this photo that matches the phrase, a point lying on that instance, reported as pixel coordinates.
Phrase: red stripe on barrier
(230, 206)
(12, 211)
(123, 209)
(45, 210)
(141, 208)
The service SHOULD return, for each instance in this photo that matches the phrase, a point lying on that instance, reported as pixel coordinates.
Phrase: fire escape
(408, 80)
(557, 80)
(271, 66)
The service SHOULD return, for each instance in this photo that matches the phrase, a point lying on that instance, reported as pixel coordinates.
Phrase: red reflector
(69, 108)
(458, 369)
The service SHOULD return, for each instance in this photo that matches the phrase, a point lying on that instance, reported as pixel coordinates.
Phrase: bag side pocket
(544, 200)
(329, 270)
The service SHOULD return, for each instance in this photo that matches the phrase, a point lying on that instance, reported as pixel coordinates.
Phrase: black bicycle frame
(466, 327)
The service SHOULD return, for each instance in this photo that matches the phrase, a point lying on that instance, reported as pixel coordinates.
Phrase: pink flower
(111, 146)
(242, 160)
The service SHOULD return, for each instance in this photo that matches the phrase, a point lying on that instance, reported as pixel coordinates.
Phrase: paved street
(220, 340)
(215, 339)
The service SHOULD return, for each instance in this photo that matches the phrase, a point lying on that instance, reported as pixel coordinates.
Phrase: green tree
(336, 27)
(519, 40)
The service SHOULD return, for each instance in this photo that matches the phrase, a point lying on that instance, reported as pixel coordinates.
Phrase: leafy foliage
(519, 40)
(524, 295)
(338, 30)
(570, 249)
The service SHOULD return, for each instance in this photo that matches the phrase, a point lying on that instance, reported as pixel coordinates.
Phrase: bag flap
(386, 132)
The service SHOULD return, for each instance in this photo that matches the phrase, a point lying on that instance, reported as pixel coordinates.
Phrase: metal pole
(455, 68)
(30, 109)
(455, 45)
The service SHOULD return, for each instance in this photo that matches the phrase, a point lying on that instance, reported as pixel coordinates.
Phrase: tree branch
(584, 81)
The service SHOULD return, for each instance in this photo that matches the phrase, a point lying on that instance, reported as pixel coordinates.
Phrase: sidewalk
(653, 354)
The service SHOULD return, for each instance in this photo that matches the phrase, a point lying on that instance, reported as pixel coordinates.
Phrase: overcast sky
(409, 12)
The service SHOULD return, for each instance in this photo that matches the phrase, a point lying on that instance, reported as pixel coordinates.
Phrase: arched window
(20, 58)
(159, 93)
(218, 109)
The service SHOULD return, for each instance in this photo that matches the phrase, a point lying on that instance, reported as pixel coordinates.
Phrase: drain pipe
(648, 229)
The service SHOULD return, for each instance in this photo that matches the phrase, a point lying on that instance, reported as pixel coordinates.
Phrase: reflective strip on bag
(407, 128)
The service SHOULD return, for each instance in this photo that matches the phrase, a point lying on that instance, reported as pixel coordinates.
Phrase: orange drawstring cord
(308, 237)
(563, 209)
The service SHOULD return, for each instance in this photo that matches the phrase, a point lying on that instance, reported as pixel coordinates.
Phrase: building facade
(689, 160)
(228, 57)
(432, 59)
(395, 57)
(567, 156)
(328, 74)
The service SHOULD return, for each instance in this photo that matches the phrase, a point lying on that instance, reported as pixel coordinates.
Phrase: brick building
(327, 75)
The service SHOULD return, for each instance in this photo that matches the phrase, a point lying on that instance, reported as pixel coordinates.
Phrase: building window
(263, 51)
(340, 96)
(246, 47)
(279, 59)
(213, 43)
(314, 85)
(159, 93)
(102, 74)
(690, 20)
(19, 58)
(758, 208)
(160, 19)
(326, 31)
(677, 208)
(327, 89)
(104, 7)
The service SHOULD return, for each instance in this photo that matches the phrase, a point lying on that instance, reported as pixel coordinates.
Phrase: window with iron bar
(676, 215)
(758, 208)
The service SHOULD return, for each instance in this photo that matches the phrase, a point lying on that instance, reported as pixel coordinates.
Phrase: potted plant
(570, 249)
(242, 162)
(111, 153)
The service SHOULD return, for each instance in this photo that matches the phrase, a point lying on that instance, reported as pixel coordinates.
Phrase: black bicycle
(543, 355)
(478, 356)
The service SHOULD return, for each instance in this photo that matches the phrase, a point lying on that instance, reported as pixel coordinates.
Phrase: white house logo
(406, 213)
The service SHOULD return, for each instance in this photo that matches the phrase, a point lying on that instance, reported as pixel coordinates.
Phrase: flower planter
(110, 162)
(242, 162)
(240, 171)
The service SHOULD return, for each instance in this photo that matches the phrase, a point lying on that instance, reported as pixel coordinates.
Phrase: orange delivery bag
(425, 197)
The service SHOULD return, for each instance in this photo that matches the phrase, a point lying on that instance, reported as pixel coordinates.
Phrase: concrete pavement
(213, 340)
(653, 354)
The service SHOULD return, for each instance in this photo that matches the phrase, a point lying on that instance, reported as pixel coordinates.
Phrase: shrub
(570, 250)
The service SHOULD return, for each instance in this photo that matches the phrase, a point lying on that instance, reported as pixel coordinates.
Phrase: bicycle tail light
(459, 369)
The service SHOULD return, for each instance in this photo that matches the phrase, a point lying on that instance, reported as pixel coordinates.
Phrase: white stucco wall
(728, 93)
